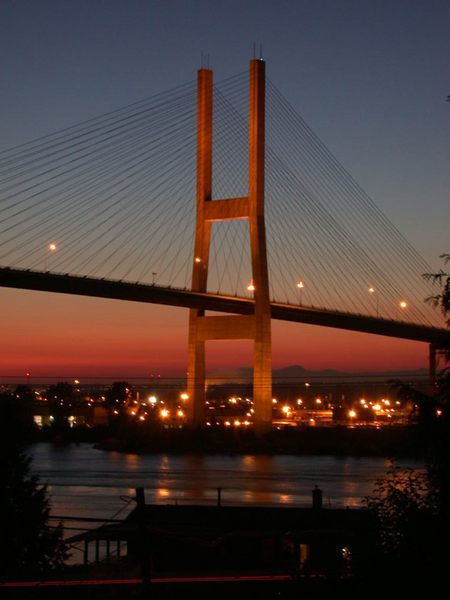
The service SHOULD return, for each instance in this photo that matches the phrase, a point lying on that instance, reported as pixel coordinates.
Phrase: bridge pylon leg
(257, 326)
(432, 362)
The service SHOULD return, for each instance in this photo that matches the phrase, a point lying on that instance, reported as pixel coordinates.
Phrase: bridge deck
(153, 294)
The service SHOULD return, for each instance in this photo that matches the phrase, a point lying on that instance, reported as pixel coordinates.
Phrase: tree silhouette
(117, 395)
(60, 398)
(413, 509)
(30, 546)
(442, 299)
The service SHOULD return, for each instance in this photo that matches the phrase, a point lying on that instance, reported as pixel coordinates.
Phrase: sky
(370, 77)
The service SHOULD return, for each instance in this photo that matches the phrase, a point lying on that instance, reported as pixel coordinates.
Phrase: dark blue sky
(370, 77)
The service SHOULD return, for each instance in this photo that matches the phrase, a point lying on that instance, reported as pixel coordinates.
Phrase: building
(192, 540)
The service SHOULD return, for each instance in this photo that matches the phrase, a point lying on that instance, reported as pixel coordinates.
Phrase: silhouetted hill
(298, 372)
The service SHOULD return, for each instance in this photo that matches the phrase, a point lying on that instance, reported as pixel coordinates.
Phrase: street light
(300, 286)
(50, 248)
(373, 292)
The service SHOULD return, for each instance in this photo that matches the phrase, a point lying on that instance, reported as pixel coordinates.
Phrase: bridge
(154, 294)
(125, 206)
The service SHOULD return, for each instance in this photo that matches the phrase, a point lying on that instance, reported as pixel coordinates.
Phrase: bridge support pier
(257, 326)
(432, 363)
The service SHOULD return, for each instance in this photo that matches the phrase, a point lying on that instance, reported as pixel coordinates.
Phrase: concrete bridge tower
(257, 326)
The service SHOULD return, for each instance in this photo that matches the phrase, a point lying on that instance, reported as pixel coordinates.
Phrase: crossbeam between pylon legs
(256, 326)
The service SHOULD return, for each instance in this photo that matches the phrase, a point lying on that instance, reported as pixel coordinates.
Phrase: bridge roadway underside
(152, 294)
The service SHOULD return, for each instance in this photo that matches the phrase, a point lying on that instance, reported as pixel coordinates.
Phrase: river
(84, 482)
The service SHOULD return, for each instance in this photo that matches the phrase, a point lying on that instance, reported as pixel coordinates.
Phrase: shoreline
(389, 441)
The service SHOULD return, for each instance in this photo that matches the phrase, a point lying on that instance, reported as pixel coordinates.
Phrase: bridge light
(403, 304)
(372, 291)
(300, 286)
(184, 396)
(51, 247)
(197, 259)
(251, 287)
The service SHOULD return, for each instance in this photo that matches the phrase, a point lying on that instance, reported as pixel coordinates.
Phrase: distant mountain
(222, 376)
(294, 372)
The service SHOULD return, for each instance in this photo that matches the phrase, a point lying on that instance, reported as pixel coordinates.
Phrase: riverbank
(388, 441)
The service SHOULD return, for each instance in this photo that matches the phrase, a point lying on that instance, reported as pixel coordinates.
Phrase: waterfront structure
(210, 540)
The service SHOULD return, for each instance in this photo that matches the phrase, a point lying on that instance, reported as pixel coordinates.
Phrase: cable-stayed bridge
(210, 196)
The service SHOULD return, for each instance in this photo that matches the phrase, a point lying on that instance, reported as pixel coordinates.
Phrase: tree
(442, 299)
(60, 398)
(30, 546)
(118, 394)
(413, 508)
(403, 502)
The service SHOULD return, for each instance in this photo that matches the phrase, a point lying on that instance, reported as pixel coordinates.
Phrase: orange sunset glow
(60, 335)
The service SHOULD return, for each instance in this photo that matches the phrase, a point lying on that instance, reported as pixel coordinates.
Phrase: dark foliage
(413, 508)
(30, 546)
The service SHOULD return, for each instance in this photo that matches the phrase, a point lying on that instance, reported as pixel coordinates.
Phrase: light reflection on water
(85, 482)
